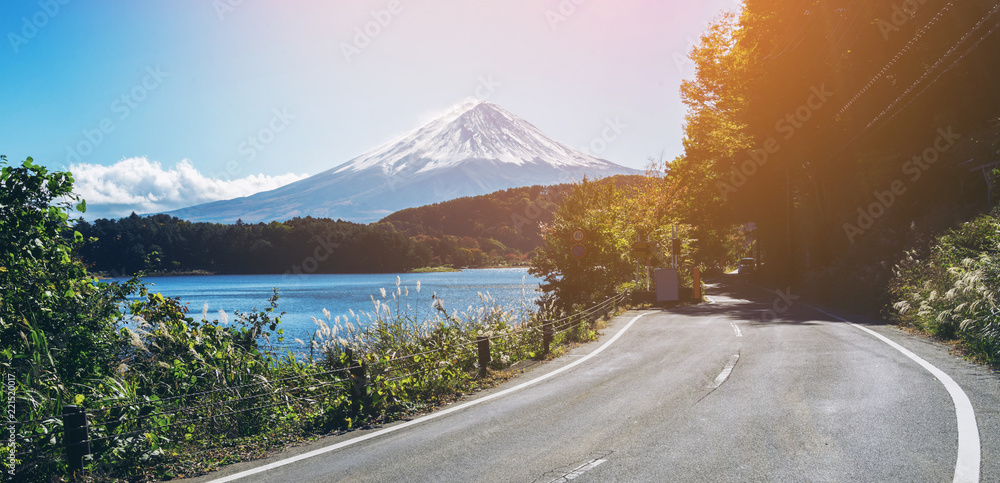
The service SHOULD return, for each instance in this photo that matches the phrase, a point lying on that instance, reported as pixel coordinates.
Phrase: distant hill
(505, 224)
(511, 217)
(496, 229)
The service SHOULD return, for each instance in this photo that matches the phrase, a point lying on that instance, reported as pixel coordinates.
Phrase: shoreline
(200, 273)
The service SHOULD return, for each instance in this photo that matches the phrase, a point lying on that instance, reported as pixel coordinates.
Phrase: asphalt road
(724, 391)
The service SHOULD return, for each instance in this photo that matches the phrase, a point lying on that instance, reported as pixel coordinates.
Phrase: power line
(886, 67)
(940, 60)
(848, 144)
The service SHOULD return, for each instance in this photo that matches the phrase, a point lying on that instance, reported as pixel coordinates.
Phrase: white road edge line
(967, 466)
(413, 422)
(726, 371)
(737, 329)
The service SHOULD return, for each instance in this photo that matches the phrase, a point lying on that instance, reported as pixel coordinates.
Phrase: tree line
(305, 245)
(497, 229)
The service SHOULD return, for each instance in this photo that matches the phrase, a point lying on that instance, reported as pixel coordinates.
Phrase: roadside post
(546, 337)
(696, 283)
(483, 344)
(77, 440)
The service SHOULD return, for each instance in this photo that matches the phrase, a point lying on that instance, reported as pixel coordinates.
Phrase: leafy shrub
(951, 291)
(161, 388)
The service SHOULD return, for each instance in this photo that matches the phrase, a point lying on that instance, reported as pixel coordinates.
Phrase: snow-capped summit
(475, 148)
(473, 130)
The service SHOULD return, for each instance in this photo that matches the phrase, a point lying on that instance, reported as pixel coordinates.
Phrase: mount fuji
(476, 148)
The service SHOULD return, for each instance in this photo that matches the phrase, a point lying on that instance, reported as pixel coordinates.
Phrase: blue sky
(160, 104)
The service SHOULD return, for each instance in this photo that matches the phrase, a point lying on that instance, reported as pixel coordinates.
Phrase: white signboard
(667, 285)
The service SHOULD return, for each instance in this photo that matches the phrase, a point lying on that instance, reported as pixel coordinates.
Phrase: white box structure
(667, 284)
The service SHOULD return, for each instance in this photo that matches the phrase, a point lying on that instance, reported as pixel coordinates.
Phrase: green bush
(951, 291)
(56, 322)
(168, 395)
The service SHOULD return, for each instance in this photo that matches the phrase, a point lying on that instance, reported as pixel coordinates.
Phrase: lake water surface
(305, 296)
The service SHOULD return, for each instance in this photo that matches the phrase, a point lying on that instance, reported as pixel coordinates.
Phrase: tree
(57, 323)
(570, 281)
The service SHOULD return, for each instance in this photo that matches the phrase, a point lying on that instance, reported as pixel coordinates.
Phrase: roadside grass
(191, 396)
(414, 366)
(951, 290)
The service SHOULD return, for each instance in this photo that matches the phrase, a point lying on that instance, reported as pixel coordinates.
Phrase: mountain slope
(475, 149)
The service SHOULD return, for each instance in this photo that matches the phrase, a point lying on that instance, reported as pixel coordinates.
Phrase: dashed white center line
(578, 471)
(736, 328)
(726, 371)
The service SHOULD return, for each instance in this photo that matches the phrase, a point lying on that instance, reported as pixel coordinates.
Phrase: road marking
(737, 329)
(579, 471)
(967, 466)
(413, 422)
(726, 371)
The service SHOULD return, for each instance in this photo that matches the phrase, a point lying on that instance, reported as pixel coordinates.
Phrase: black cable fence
(359, 383)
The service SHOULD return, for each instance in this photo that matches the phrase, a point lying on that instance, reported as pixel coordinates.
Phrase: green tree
(57, 323)
(570, 281)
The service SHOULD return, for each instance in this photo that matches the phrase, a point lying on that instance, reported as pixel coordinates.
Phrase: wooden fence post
(358, 377)
(77, 440)
(483, 344)
(546, 337)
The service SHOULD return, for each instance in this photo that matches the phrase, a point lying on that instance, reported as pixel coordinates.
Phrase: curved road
(724, 391)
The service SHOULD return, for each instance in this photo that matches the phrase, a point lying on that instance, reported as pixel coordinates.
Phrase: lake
(305, 296)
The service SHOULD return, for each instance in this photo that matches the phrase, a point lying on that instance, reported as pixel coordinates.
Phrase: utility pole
(788, 226)
(673, 250)
(638, 239)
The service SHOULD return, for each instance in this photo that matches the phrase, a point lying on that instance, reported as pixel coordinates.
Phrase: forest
(493, 230)
(847, 132)
(165, 244)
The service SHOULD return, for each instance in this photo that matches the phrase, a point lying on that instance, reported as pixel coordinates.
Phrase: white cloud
(144, 186)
